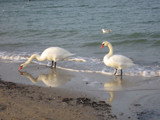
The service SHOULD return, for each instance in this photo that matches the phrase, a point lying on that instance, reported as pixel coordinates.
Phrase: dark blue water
(28, 27)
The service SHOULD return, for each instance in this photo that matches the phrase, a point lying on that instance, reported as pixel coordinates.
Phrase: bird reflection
(112, 86)
(54, 78)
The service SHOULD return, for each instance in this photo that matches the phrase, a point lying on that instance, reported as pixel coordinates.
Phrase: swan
(116, 61)
(53, 54)
(106, 31)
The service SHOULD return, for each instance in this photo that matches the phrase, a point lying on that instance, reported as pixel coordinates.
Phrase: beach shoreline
(39, 92)
(21, 99)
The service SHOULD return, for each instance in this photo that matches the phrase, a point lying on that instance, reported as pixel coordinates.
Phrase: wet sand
(29, 102)
(19, 102)
(38, 92)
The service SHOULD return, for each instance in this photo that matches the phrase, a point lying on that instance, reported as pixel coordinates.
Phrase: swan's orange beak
(102, 46)
(20, 67)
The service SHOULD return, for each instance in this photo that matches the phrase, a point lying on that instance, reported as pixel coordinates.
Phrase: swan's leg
(115, 72)
(54, 64)
(121, 72)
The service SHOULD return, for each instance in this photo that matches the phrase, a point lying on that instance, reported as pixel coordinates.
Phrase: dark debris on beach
(103, 109)
(102, 106)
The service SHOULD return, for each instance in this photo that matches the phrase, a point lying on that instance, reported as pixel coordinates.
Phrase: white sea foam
(87, 65)
(13, 57)
(76, 59)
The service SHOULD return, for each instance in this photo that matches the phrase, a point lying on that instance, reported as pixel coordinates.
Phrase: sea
(30, 26)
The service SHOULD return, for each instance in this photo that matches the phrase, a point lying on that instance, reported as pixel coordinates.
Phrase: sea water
(28, 27)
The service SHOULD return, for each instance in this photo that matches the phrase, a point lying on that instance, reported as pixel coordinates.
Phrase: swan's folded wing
(120, 61)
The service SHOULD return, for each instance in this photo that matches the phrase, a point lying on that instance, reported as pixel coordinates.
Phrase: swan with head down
(53, 54)
(116, 61)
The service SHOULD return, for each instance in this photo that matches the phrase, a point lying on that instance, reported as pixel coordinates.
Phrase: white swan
(106, 31)
(53, 54)
(116, 61)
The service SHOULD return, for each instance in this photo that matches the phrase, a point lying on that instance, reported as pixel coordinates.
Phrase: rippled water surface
(28, 27)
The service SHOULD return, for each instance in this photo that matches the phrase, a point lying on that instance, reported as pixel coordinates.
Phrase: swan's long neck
(34, 56)
(110, 50)
(34, 80)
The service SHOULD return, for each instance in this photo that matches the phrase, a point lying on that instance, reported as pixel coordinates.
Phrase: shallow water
(28, 27)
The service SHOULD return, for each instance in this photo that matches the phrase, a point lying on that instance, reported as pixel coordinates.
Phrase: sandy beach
(30, 102)
(38, 92)
(19, 101)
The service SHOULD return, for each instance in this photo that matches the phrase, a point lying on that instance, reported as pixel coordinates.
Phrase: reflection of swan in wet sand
(123, 84)
(53, 79)
(112, 86)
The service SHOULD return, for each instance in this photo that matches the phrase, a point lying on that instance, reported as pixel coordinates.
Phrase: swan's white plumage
(55, 54)
(116, 61)
(52, 54)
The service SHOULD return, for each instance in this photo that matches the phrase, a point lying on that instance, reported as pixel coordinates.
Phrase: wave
(87, 65)
(128, 36)
(18, 44)
(155, 35)
(91, 44)
(3, 33)
(135, 38)
(123, 42)
(156, 43)
(135, 71)
(18, 57)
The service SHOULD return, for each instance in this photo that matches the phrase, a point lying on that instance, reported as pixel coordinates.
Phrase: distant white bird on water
(106, 31)
(53, 54)
(115, 61)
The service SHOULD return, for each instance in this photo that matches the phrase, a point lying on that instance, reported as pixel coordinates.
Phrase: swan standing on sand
(106, 31)
(53, 54)
(116, 61)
